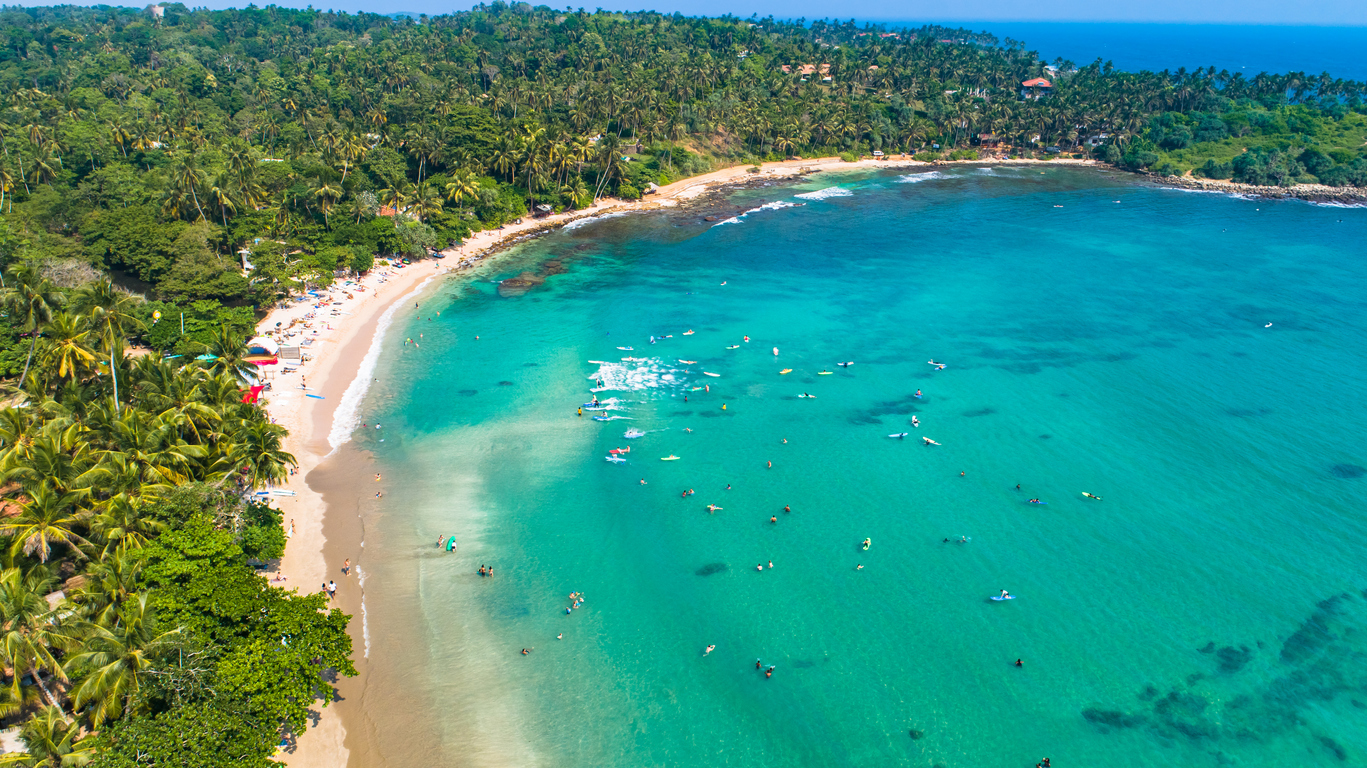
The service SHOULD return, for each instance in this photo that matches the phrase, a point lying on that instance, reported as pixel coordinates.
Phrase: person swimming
(710, 649)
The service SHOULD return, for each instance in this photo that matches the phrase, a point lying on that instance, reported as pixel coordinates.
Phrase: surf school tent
(262, 350)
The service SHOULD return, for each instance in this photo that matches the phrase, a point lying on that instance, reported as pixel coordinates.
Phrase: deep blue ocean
(1099, 335)
(1155, 47)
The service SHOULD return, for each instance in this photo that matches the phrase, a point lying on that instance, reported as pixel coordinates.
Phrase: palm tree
(256, 453)
(48, 517)
(185, 178)
(426, 201)
(29, 300)
(114, 659)
(67, 350)
(29, 630)
(52, 740)
(110, 312)
(328, 196)
(464, 185)
(228, 350)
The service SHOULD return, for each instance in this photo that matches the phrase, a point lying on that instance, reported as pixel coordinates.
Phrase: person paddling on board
(1091, 496)
(918, 393)
(1005, 594)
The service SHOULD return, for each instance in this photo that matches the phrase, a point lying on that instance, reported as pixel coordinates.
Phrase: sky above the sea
(1325, 12)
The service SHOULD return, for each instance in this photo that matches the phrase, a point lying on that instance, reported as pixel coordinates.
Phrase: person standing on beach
(346, 567)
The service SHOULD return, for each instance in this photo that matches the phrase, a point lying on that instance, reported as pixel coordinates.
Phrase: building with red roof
(1036, 88)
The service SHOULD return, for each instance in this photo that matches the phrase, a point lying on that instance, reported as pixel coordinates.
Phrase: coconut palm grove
(167, 175)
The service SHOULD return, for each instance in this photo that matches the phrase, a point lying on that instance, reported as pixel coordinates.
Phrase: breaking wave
(916, 178)
(822, 194)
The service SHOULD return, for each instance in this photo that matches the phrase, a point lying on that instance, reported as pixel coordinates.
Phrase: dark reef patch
(711, 568)
(1333, 746)
(1233, 659)
(1109, 719)
(468, 392)
(680, 413)
(1247, 413)
(1348, 471)
(505, 383)
(980, 412)
(1045, 436)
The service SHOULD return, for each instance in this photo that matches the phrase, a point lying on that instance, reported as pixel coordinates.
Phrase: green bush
(926, 157)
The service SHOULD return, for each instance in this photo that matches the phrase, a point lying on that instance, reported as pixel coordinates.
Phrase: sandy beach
(317, 403)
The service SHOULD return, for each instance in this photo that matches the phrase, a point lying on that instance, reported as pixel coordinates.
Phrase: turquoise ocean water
(1099, 336)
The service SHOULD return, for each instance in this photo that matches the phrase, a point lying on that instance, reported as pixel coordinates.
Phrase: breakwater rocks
(1315, 193)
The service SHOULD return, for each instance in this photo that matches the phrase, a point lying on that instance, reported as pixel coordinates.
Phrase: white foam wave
(577, 223)
(635, 376)
(365, 620)
(822, 194)
(774, 206)
(777, 205)
(347, 415)
(916, 178)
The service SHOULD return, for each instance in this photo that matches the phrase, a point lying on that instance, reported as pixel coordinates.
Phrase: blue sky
(1320, 12)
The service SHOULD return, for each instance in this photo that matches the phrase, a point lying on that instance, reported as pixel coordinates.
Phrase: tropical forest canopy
(135, 629)
(175, 147)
